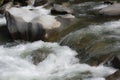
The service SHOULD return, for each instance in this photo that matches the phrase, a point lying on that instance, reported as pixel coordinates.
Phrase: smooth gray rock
(31, 25)
(111, 10)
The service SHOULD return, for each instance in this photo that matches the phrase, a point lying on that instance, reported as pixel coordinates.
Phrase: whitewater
(60, 64)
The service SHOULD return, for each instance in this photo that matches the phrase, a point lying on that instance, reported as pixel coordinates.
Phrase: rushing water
(58, 62)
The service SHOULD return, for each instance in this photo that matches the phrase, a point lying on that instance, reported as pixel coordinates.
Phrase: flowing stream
(60, 64)
(57, 62)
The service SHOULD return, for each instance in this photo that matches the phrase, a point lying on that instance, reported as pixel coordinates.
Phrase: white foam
(2, 21)
(112, 26)
(61, 64)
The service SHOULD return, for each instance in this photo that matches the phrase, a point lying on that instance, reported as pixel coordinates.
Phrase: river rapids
(57, 63)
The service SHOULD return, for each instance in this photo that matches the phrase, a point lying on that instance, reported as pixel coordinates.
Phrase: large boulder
(35, 24)
(111, 10)
(29, 25)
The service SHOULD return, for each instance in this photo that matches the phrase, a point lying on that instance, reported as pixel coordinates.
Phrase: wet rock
(39, 55)
(67, 21)
(111, 10)
(115, 76)
(29, 31)
(60, 10)
(29, 28)
(33, 25)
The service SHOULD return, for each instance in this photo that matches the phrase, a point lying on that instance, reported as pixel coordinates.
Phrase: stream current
(16, 62)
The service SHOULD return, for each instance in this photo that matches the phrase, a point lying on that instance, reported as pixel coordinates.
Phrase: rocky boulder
(40, 54)
(35, 24)
(29, 25)
(5, 7)
(111, 10)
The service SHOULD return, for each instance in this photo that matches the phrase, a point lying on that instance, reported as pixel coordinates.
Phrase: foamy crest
(60, 64)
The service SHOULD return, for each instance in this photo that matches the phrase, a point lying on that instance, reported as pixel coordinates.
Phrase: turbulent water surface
(60, 63)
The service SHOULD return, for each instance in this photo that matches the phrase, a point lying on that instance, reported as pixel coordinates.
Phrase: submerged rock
(39, 55)
(36, 24)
